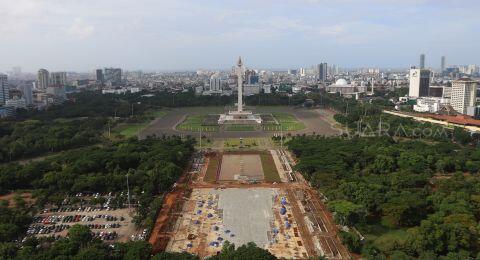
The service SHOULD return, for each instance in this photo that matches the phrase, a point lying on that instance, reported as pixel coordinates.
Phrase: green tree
(346, 212)
(174, 256)
(352, 241)
(250, 251)
(92, 252)
(134, 250)
(80, 234)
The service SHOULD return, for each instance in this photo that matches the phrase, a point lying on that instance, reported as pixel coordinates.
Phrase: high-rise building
(422, 61)
(292, 71)
(43, 79)
(252, 79)
(419, 83)
(321, 71)
(248, 75)
(464, 93)
(215, 82)
(99, 75)
(442, 64)
(26, 90)
(4, 89)
(303, 72)
(113, 76)
(58, 79)
(57, 92)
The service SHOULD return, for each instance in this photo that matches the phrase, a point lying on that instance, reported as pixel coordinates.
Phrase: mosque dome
(341, 82)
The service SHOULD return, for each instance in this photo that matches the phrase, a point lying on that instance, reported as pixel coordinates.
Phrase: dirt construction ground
(286, 218)
(235, 166)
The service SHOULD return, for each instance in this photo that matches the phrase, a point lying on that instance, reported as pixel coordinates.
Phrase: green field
(240, 128)
(235, 142)
(211, 174)
(269, 169)
(129, 130)
(193, 123)
(287, 122)
(132, 129)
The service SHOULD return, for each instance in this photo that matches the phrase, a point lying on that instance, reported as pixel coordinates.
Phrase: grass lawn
(132, 129)
(156, 113)
(129, 130)
(193, 123)
(287, 122)
(240, 128)
(269, 169)
(211, 174)
(235, 142)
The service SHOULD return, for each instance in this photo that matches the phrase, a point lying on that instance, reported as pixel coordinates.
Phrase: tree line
(34, 137)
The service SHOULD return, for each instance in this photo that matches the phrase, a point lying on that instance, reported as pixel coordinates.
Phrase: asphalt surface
(314, 120)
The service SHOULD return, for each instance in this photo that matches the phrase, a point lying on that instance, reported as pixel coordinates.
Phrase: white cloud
(80, 29)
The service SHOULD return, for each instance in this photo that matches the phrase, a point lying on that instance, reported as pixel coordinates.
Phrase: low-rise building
(249, 90)
(16, 103)
(430, 104)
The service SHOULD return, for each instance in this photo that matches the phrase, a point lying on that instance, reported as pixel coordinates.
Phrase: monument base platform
(239, 117)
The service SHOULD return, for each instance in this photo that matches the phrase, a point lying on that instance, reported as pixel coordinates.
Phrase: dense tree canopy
(34, 137)
(409, 198)
(245, 252)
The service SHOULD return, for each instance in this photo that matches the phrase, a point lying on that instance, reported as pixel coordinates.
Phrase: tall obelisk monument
(240, 84)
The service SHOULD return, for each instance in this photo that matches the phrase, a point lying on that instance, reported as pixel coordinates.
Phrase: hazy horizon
(188, 35)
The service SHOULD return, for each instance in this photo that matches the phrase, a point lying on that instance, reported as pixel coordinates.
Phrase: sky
(81, 35)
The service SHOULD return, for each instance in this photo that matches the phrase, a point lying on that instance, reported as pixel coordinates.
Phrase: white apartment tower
(215, 82)
(43, 79)
(58, 79)
(419, 82)
(464, 93)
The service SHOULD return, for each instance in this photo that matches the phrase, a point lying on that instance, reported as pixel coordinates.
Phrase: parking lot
(108, 218)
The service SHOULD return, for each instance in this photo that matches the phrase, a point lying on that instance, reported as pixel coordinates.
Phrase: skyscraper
(99, 75)
(26, 90)
(4, 89)
(442, 64)
(58, 79)
(113, 76)
(464, 93)
(215, 82)
(422, 61)
(322, 71)
(43, 79)
(252, 79)
(419, 83)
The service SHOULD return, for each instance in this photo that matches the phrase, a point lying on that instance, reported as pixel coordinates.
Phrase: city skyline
(187, 35)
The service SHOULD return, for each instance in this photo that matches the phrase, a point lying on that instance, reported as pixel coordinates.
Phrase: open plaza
(239, 215)
(246, 196)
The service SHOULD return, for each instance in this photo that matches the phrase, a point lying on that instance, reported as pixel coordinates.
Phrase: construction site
(241, 197)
